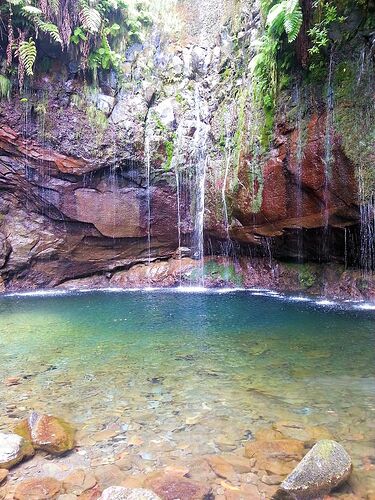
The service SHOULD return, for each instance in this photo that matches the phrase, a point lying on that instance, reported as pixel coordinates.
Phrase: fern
(51, 29)
(34, 14)
(5, 87)
(90, 18)
(27, 54)
(31, 12)
(293, 19)
(54, 5)
(285, 16)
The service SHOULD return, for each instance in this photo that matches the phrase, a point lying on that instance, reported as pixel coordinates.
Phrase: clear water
(190, 373)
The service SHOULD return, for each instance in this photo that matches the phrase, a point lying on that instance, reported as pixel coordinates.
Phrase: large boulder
(324, 467)
(47, 433)
(121, 493)
(13, 449)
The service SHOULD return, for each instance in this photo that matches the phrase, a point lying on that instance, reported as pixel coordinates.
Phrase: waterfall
(367, 231)
(228, 248)
(175, 167)
(200, 158)
(148, 194)
(327, 161)
(299, 172)
(365, 82)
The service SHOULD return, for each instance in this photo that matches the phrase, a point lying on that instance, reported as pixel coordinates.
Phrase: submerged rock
(121, 493)
(47, 433)
(13, 449)
(324, 467)
(3, 475)
(43, 488)
(171, 486)
(275, 457)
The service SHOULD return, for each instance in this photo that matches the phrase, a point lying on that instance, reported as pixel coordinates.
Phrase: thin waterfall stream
(148, 194)
(327, 161)
(200, 158)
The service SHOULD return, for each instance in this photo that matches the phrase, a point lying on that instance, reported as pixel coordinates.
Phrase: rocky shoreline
(329, 281)
(45, 458)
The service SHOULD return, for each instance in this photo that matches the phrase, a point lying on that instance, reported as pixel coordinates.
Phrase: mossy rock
(323, 468)
(47, 433)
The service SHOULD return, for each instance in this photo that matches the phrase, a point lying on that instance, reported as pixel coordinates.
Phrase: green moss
(97, 119)
(307, 274)
(354, 119)
(5, 87)
(326, 447)
(224, 272)
(266, 131)
(240, 130)
(169, 149)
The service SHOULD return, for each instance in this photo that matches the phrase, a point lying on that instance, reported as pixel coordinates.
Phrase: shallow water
(189, 373)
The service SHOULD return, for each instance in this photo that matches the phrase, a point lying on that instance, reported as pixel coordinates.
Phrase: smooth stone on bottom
(43, 488)
(3, 475)
(13, 449)
(121, 493)
(324, 467)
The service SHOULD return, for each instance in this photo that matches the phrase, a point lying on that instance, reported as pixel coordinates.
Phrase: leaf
(90, 18)
(27, 54)
(292, 19)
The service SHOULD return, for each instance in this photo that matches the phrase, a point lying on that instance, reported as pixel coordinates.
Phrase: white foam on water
(39, 293)
(297, 298)
(325, 302)
(365, 307)
(262, 292)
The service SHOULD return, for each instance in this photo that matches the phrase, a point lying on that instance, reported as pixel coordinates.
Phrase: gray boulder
(324, 467)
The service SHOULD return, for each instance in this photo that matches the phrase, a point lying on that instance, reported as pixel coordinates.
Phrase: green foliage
(104, 57)
(27, 54)
(222, 272)
(95, 27)
(5, 87)
(306, 276)
(326, 14)
(169, 149)
(283, 18)
(91, 19)
(78, 36)
(35, 16)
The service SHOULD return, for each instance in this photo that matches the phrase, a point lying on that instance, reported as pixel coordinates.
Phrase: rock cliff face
(93, 181)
